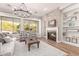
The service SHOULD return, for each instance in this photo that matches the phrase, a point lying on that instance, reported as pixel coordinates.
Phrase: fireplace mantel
(52, 29)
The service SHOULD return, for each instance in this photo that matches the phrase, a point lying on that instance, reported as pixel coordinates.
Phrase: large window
(33, 25)
(13, 25)
(9, 24)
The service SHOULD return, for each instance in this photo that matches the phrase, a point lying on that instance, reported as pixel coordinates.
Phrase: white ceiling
(37, 9)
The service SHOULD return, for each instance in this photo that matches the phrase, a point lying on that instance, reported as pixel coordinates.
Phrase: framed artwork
(52, 23)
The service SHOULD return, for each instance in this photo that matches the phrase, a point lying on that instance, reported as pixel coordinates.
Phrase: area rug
(43, 50)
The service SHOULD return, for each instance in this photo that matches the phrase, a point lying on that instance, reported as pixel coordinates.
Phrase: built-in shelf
(71, 27)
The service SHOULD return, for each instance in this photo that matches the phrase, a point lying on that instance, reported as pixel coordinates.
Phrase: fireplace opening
(52, 35)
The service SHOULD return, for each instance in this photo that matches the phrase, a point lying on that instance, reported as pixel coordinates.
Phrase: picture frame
(52, 23)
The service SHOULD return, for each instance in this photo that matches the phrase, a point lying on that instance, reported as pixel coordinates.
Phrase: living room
(39, 29)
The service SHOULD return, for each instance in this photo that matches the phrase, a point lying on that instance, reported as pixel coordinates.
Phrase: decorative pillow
(7, 39)
(2, 41)
(4, 34)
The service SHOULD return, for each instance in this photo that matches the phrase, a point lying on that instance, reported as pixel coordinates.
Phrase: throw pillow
(2, 41)
(7, 39)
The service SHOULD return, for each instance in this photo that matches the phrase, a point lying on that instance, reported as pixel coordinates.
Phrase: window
(33, 25)
(16, 25)
(26, 26)
(9, 24)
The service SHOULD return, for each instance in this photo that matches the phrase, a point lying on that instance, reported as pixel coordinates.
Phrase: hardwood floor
(69, 49)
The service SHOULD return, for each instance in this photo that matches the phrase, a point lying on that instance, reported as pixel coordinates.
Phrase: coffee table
(30, 42)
